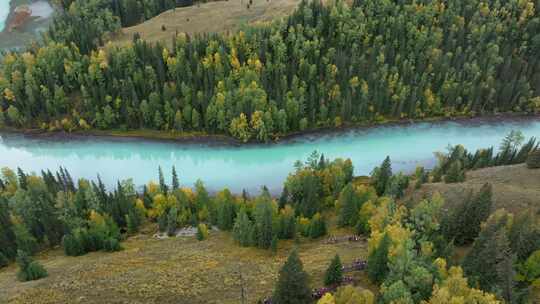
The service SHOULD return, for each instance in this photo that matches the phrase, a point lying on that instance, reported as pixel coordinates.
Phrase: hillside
(515, 188)
(149, 270)
(212, 17)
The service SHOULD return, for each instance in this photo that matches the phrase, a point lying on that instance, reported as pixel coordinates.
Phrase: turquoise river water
(4, 12)
(250, 167)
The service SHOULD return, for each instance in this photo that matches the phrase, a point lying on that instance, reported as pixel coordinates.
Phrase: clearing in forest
(219, 16)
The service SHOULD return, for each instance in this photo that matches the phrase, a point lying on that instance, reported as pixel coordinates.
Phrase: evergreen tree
(349, 206)
(162, 185)
(23, 183)
(378, 260)
(172, 221)
(175, 182)
(8, 243)
(292, 285)
(243, 229)
(263, 225)
(487, 263)
(455, 174)
(463, 224)
(380, 177)
(317, 227)
(334, 272)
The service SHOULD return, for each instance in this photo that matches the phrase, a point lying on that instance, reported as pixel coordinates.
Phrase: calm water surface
(250, 167)
(4, 12)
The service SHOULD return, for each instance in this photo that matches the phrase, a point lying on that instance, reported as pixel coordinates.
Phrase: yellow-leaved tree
(455, 289)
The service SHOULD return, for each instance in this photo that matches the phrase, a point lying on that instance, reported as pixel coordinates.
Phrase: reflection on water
(250, 166)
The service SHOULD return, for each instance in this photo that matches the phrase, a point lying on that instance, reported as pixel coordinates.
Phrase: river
(250, 167)
(4, 13)
(41, 16)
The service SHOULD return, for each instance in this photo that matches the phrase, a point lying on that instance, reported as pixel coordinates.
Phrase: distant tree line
(325, 65)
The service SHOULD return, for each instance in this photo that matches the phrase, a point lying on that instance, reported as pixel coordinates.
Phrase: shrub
(317, 227)
(3, 260)
(533, 160)
(73, 245)
(202, 232)
(29, 270)
(111, 245)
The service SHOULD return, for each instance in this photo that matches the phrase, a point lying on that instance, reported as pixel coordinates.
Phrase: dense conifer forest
(324, 66)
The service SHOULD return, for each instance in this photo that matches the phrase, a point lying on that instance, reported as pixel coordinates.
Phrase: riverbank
(226, 140)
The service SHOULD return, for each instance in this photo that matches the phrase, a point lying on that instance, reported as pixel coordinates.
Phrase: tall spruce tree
(162, 185)
(380, 176)
(334, 272)
(292, 285)
(349, 206)
(378, 260)
(175, 182)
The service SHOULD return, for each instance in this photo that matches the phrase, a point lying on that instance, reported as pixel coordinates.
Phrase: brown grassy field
(220, 16)
(177, 270)
(515, 188)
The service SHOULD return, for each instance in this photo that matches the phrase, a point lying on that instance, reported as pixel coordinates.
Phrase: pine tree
(263, 224)
(175, 182)
(317, 226)
(292, 285)
(334, 272)
(172, 221)
(381, 176)
(378, 260)
(349, 206)
(455, 174)
(23, 183)
(243, 229)
(486, 264)
(463, 225)
(162, 185)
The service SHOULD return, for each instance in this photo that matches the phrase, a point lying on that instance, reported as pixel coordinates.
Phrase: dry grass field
(219, 16)
(177, 270)
(515, 188)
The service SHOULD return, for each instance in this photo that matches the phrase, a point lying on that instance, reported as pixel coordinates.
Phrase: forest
(411, 245)
(324, 66)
